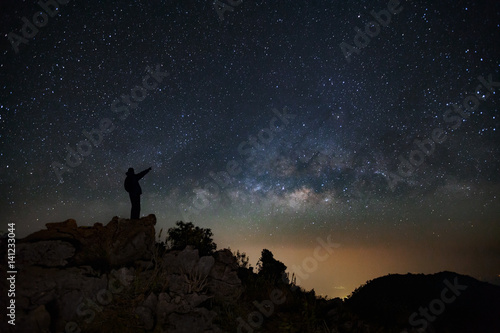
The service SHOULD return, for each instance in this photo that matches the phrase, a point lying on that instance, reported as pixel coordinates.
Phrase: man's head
(130, 172)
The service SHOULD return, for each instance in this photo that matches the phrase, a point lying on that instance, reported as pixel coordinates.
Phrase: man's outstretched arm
(143, 173)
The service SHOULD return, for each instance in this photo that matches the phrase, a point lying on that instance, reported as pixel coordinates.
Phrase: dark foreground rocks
(115, 278)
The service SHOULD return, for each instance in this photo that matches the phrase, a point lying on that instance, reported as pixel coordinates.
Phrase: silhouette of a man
(134, 190)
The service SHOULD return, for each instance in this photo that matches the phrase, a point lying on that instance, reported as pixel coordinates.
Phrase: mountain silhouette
(391, 300)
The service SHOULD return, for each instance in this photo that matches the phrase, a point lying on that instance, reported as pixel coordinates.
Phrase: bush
(242, 260)
(185, 234)
(269, 268)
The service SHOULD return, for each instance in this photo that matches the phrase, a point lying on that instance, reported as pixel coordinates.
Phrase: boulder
(205, 265)
(119, 243)
(199, 320)
(44, 253)
(224, 282)
(36, 320)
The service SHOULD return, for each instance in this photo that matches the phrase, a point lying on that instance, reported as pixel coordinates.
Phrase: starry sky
(374, 124)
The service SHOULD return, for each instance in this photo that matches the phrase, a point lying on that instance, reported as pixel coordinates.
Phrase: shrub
(269, 268)
(185, 234)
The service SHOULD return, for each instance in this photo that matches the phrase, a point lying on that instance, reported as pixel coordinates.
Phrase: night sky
(272, 123)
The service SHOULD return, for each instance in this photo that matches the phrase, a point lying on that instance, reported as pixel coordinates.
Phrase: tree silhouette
(185, 234)
(270, 268)
(242, 259)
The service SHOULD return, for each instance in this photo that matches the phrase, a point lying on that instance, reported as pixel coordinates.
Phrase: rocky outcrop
(114, 278)
(119, 243)
(224, 277)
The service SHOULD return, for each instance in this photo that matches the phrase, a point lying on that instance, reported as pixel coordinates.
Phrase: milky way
(271, 122)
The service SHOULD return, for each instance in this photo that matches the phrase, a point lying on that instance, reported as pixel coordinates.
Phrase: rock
(177, 284)
(37, 320)
(205, 265)
(226, 257)
(151, 302)
(145, 317)
(144, 265)
(119, 243)
(218, 274)
(164, 297)
(44, 253)
(61, 290)
(199, 320)
(164, 308)
(194, 300)
(124, 275)
(62, 226)
(188, 259)
(181, 262)
(225, 283)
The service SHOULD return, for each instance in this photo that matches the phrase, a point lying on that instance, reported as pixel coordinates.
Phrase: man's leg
(135, 200)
